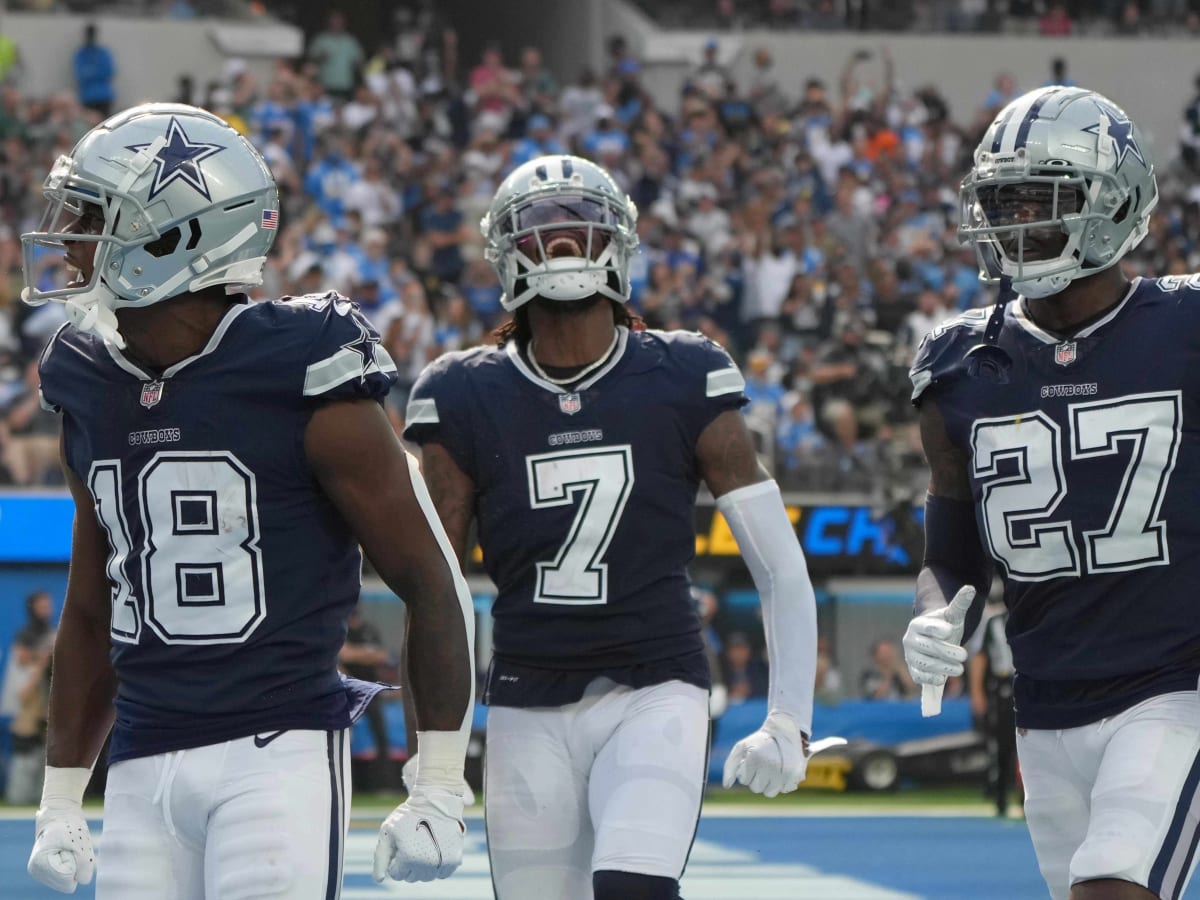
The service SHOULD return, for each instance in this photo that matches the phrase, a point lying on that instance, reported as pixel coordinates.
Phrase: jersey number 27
(1019, 462)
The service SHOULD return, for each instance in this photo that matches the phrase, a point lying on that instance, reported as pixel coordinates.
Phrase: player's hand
(932, 643)
(771, 761)
(423, 837)
(62, 856)
(408, 774)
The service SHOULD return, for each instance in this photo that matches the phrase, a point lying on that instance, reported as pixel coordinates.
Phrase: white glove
(771, 761)
(933, 651)
(408, 774)
(423, 837)
(62, 856)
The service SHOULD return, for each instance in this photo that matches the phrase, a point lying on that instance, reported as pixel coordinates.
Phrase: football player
(1062, 439)
(227, 459)
(578, 446)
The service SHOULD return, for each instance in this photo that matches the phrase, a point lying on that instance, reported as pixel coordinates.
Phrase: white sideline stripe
(714, 872)
(369, 816)
(724, 381)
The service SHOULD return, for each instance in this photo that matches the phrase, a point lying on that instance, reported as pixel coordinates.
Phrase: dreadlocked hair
(517, 328)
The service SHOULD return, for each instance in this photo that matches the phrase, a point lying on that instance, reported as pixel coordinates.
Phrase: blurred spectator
(580, 103)
(539, 140)
(94, 72)
(445, 230)
(11, 64)
(711, 77)
(364, 656)
(495, 89)
(745, 670)
(1055, 21)
(931, 312)
(372, 197)
(339, 58)
(537, 84)
(887, 678)
(1058, 74)
(25, 697)
(800, 444)
(829, 678)
(29, 436)
(1189, 135)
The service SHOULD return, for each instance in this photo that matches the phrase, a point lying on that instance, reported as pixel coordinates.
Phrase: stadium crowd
(811, 232)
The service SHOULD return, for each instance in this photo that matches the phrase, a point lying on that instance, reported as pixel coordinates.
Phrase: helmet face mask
(1069, 202)
(561, 229)
(186, 203)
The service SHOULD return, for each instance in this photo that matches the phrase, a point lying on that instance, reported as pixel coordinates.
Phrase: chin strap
(91, 314)
(987, 359)
(88, 311)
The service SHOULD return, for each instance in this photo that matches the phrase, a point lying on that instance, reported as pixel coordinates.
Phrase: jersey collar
(618, 354)
(213, 342)
(1022, 318)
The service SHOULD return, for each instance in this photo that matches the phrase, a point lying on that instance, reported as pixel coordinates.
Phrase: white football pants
(614, 781)
(1118, 798)
(231, 821)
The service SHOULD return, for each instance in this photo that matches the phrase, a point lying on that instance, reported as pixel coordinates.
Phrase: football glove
(423, 837)
(771, 761)
(932, 643)
(408, 774)
(62, 856)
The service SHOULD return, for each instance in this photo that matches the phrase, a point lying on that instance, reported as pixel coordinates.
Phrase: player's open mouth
(563, 245)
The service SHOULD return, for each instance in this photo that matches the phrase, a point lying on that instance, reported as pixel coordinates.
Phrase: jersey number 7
(599, 479)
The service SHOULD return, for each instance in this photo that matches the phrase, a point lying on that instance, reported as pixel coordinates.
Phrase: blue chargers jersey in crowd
(233, 576)
(1085, 468)
(585, 506)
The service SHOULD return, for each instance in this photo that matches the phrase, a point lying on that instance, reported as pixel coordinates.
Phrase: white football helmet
(186, 203)
(1062, 188)
(560, 228)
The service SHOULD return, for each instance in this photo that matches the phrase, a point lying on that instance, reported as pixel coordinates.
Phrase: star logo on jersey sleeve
(1120, 132)
(179, 160)
(364, 346)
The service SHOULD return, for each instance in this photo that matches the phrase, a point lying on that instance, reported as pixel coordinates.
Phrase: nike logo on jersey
(261, 741)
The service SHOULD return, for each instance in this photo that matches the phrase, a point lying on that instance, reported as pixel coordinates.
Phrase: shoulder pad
(943, 349)
(700, 356)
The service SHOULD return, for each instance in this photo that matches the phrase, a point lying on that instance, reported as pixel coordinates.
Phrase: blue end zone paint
(934, 858)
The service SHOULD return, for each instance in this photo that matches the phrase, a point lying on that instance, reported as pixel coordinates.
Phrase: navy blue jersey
(1085, 468)
(233, 576)
(584, 505)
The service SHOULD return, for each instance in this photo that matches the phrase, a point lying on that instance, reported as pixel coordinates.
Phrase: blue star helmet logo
(179, 160)
(1120, 130)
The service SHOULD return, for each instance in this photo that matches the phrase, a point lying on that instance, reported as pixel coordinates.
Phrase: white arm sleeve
(444, 753)
(768, 543)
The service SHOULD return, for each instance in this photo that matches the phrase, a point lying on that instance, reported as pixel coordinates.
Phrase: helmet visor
(560, 225)
(1025, 220)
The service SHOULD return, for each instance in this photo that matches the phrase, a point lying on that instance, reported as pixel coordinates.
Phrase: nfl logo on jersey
(151, 393)
(1064, 353)
(569, 403)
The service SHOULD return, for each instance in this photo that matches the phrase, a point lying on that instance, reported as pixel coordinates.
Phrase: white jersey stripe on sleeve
(725, 381)
(327, 374)
(46, 404)
(422, 411)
